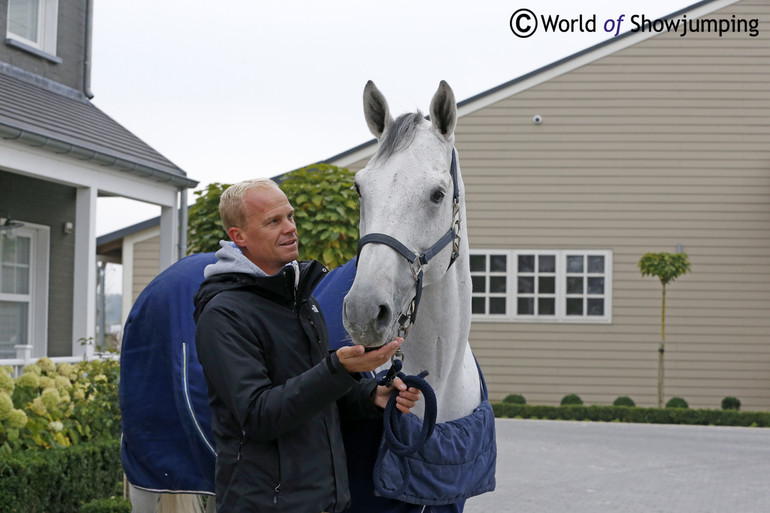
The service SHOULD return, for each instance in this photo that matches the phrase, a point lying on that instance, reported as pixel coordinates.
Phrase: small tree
(204, 226)
(667, 267)
(326, 212)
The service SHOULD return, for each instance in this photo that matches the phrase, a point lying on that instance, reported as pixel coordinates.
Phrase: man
(273, 385)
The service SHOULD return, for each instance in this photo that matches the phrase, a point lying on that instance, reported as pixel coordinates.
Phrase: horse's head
(407, 194)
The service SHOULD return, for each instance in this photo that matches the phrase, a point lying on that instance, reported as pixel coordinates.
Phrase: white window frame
(47, 27)
(37, 313)
(560, 315)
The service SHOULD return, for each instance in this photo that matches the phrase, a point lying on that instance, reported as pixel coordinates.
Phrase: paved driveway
(592, 467)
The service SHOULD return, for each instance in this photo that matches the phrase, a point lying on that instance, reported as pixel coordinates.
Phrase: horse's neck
(438, 343)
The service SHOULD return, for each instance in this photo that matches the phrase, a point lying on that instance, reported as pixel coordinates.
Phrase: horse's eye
(437, 196)
(358, 191)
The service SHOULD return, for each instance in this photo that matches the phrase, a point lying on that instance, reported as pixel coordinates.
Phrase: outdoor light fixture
(8, 226)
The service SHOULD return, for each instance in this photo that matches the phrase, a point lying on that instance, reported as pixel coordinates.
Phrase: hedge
(635, 415)
(59, 480)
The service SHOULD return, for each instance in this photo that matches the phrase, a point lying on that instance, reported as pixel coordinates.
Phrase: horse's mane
(399, 135)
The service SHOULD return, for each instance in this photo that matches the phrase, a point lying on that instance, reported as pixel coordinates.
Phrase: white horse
(406, 193)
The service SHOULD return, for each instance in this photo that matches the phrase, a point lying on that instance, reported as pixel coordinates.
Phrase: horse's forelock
(400, 134)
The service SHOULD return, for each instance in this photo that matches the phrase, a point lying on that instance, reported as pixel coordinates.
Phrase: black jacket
(273, 387)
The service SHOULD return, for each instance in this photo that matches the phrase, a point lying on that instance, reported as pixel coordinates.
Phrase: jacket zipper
(240, 445)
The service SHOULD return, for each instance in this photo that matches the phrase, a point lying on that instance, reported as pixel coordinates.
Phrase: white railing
(24, 357)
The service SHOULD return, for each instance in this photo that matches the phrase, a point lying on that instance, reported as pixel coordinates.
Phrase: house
(58, 154)
(653, 141)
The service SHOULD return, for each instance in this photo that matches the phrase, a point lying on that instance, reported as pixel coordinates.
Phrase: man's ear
(236, 235)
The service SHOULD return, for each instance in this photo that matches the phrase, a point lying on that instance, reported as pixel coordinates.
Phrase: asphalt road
(592, 467)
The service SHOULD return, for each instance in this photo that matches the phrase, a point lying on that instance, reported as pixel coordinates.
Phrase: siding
(661, 143)
(49, 204)
(145, 264)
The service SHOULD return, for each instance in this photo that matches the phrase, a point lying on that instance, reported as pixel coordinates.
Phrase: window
(542, 285)
(23, 290)
(32, 24)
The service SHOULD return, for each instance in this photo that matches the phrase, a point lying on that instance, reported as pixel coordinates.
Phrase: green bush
(624, 401)
(571, 399)
(731, 403)
(677, 402)
(635, 415)
(515, 399)
(111, 505)
(59, 480)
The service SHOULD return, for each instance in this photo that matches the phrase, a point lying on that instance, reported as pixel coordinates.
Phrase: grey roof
(43, 113)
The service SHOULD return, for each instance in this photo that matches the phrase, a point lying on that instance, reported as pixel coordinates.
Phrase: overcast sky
(240, 89)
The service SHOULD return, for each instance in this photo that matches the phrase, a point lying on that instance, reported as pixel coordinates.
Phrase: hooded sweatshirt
(273, 388)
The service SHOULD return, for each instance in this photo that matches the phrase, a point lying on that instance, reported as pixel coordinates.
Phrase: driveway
(592, 467)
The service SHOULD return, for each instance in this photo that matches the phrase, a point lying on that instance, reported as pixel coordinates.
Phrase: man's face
(269, 238)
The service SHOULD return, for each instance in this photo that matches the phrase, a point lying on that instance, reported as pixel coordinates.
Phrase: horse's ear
(443, 110)
(376, 110)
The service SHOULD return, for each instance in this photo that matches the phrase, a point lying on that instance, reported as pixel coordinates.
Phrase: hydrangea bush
(60, 405)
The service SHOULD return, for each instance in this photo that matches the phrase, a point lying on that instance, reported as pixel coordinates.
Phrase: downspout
(182, 249)
(87, 50)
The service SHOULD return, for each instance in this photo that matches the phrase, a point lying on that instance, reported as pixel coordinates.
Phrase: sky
(242, 89)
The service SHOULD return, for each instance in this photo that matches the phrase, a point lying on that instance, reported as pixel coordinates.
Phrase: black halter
(416, 260)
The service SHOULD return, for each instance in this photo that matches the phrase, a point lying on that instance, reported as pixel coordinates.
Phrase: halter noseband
(418, 261)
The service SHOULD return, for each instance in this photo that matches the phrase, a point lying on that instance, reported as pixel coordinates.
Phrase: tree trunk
(662, 349)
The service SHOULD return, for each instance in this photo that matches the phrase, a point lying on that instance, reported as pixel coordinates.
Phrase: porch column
(169, 237)
(84, 304)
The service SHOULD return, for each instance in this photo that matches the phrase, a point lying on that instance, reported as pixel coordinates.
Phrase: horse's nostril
(383, 316)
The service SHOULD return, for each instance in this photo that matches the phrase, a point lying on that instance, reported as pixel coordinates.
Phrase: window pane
(526, 306)
(478, 263)
(527, 285)
(479, 284)
(497, 305)
(547, 285)
(596, 285)
(498, 263)
(478, 305)
(575, 264)
(497, 284)
(575, 306)
(22, 18)
(546, 306)
(13, 327)
(575, 285)
(547, 263)
(595, 306)
(596, 264)
(526, 263)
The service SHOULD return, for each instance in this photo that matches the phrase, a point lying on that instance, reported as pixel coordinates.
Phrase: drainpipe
(87, 49)
(182, 224)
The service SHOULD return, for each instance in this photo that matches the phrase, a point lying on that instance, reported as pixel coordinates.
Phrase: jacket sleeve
(357, 404)
(234, 365)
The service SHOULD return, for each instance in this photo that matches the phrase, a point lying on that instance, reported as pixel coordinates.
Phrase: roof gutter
(103, 159)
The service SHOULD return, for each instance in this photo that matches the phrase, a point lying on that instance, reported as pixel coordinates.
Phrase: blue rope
(392, 414)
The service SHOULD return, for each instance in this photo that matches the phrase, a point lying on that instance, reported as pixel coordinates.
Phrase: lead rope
(392, 417)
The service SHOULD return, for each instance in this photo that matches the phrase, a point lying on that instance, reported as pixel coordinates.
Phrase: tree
(326, 212)
(204, 226)
(667, 267)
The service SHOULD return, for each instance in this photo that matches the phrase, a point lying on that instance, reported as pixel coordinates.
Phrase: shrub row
(59, 480)
(637, 415)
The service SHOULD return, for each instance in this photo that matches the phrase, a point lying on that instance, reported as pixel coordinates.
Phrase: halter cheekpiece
(418, 261)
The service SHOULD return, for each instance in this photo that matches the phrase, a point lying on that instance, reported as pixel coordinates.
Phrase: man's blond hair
(231, 201)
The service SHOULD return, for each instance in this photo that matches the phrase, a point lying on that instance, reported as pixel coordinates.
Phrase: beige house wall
(663, 142)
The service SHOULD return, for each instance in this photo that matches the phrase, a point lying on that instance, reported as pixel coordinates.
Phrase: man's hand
(356, 359)
(405, 401)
